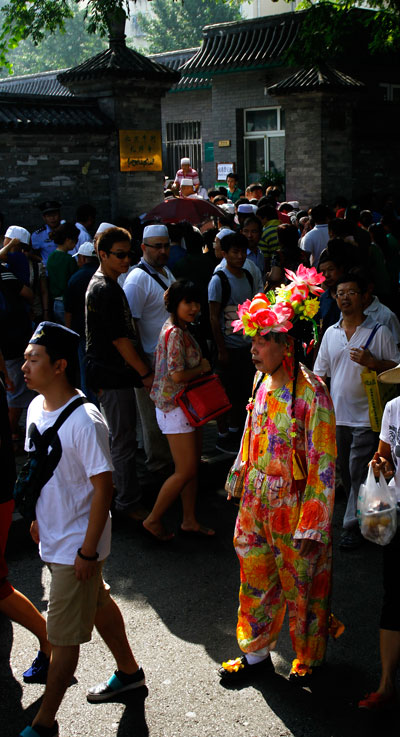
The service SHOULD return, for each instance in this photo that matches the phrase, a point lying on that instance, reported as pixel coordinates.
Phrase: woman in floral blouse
(178, 361)
(283, 530)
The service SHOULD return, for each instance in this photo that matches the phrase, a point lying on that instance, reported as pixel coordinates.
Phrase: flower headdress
(278, 310)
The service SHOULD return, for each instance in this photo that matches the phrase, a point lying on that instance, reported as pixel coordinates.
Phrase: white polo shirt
(347, 390)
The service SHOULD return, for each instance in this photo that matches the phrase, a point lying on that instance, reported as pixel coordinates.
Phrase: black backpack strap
(249, 278)
(46, 438)
(225, 286)
(156, 278)
(372, 333)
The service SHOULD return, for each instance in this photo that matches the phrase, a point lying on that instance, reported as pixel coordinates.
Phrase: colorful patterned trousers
(273, 574)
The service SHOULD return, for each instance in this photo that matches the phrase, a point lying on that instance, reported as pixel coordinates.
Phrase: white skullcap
(294, 204)
(254, 208)
(223, 232)
(187, 183)
(15, 231)
(185, 160)
(86, 249)
(155, 231)
(104, 226)
(246, 208)
(228, 207)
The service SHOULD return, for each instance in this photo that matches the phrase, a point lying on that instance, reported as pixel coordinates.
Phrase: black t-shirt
(15, 323)
(108, 318)
(74, 298)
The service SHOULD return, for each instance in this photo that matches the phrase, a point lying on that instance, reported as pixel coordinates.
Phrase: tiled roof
(44, 83)
(244, 44)
(174, 60)
(321, 78)
(19, 113)
(119, 61)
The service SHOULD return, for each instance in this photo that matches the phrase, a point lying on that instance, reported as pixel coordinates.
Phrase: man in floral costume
(283, 530)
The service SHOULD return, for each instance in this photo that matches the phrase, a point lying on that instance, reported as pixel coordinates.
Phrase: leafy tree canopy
(332, 28)
(175, 25)
(61, 49)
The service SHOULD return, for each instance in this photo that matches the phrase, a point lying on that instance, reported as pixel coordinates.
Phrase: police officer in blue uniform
(42, 242)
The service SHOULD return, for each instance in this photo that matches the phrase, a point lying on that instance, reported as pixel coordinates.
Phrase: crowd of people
(288, 306)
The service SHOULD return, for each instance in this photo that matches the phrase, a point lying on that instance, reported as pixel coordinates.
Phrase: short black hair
(71, 370)
(356, 279)
(234, 240)
(232, 175)
(253, 219)
(268, 212)
(84, 212)
(253, 187)
(110, 236)
(213, 192)
(320, 212)
(64, 231)
(181, 289)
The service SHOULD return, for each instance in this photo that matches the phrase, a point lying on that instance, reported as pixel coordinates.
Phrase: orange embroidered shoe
(239, 670)
(376, 701)
(300, 673)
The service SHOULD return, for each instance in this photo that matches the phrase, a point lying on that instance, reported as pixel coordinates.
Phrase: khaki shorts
(73, 604)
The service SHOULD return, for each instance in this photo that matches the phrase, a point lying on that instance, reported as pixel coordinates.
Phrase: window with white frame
(391, 92)
(264, 142)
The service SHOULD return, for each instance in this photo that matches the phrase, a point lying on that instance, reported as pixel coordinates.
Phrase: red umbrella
(184, 208)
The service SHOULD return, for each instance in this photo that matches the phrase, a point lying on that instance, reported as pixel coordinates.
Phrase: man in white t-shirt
(346, 348)
(144, 288)
(73, 525)
(316, 240)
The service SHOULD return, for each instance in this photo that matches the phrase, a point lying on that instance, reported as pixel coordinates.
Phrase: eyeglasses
(157, 246)
(121, 254)
(350, 293)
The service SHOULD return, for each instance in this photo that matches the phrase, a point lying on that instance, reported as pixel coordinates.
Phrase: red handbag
(202, 399)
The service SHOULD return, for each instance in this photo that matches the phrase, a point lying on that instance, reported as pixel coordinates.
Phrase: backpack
(226, 287)
(38, 470)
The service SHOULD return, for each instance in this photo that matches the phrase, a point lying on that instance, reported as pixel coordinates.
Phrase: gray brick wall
(69, 168)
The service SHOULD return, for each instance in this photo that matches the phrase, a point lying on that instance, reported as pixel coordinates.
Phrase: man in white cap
(11, 253)
(186, 172)
(102, 227)
(144, 288)
(187, 189)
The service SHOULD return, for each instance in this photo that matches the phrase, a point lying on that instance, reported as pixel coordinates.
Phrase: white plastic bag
(376, 510)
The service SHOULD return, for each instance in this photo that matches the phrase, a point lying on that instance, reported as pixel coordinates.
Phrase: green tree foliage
(59, 49)
(37, 19)
(339, 28)
(174, 25)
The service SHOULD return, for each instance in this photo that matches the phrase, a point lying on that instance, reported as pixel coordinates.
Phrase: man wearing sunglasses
(114, 364)
(354, 342)
(144, 288)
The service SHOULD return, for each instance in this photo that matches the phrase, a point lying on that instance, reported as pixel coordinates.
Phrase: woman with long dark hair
(178, 361)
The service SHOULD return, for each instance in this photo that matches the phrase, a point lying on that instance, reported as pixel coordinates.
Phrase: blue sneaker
(119, 683)
(37, 673)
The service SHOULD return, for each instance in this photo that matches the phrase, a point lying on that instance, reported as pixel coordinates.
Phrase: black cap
(60, 340)
(49, 206)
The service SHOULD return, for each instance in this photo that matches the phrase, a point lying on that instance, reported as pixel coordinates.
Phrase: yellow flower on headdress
(310, 308)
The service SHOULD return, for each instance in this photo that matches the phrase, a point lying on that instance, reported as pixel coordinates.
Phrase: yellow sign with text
(140, 151)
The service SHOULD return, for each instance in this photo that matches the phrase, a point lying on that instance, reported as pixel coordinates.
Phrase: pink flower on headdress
(275, 318)
(305, 280)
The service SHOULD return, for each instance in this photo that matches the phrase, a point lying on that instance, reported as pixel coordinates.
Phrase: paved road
(179, 607)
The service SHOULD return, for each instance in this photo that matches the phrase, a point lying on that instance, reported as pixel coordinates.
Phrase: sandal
(376, 701)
